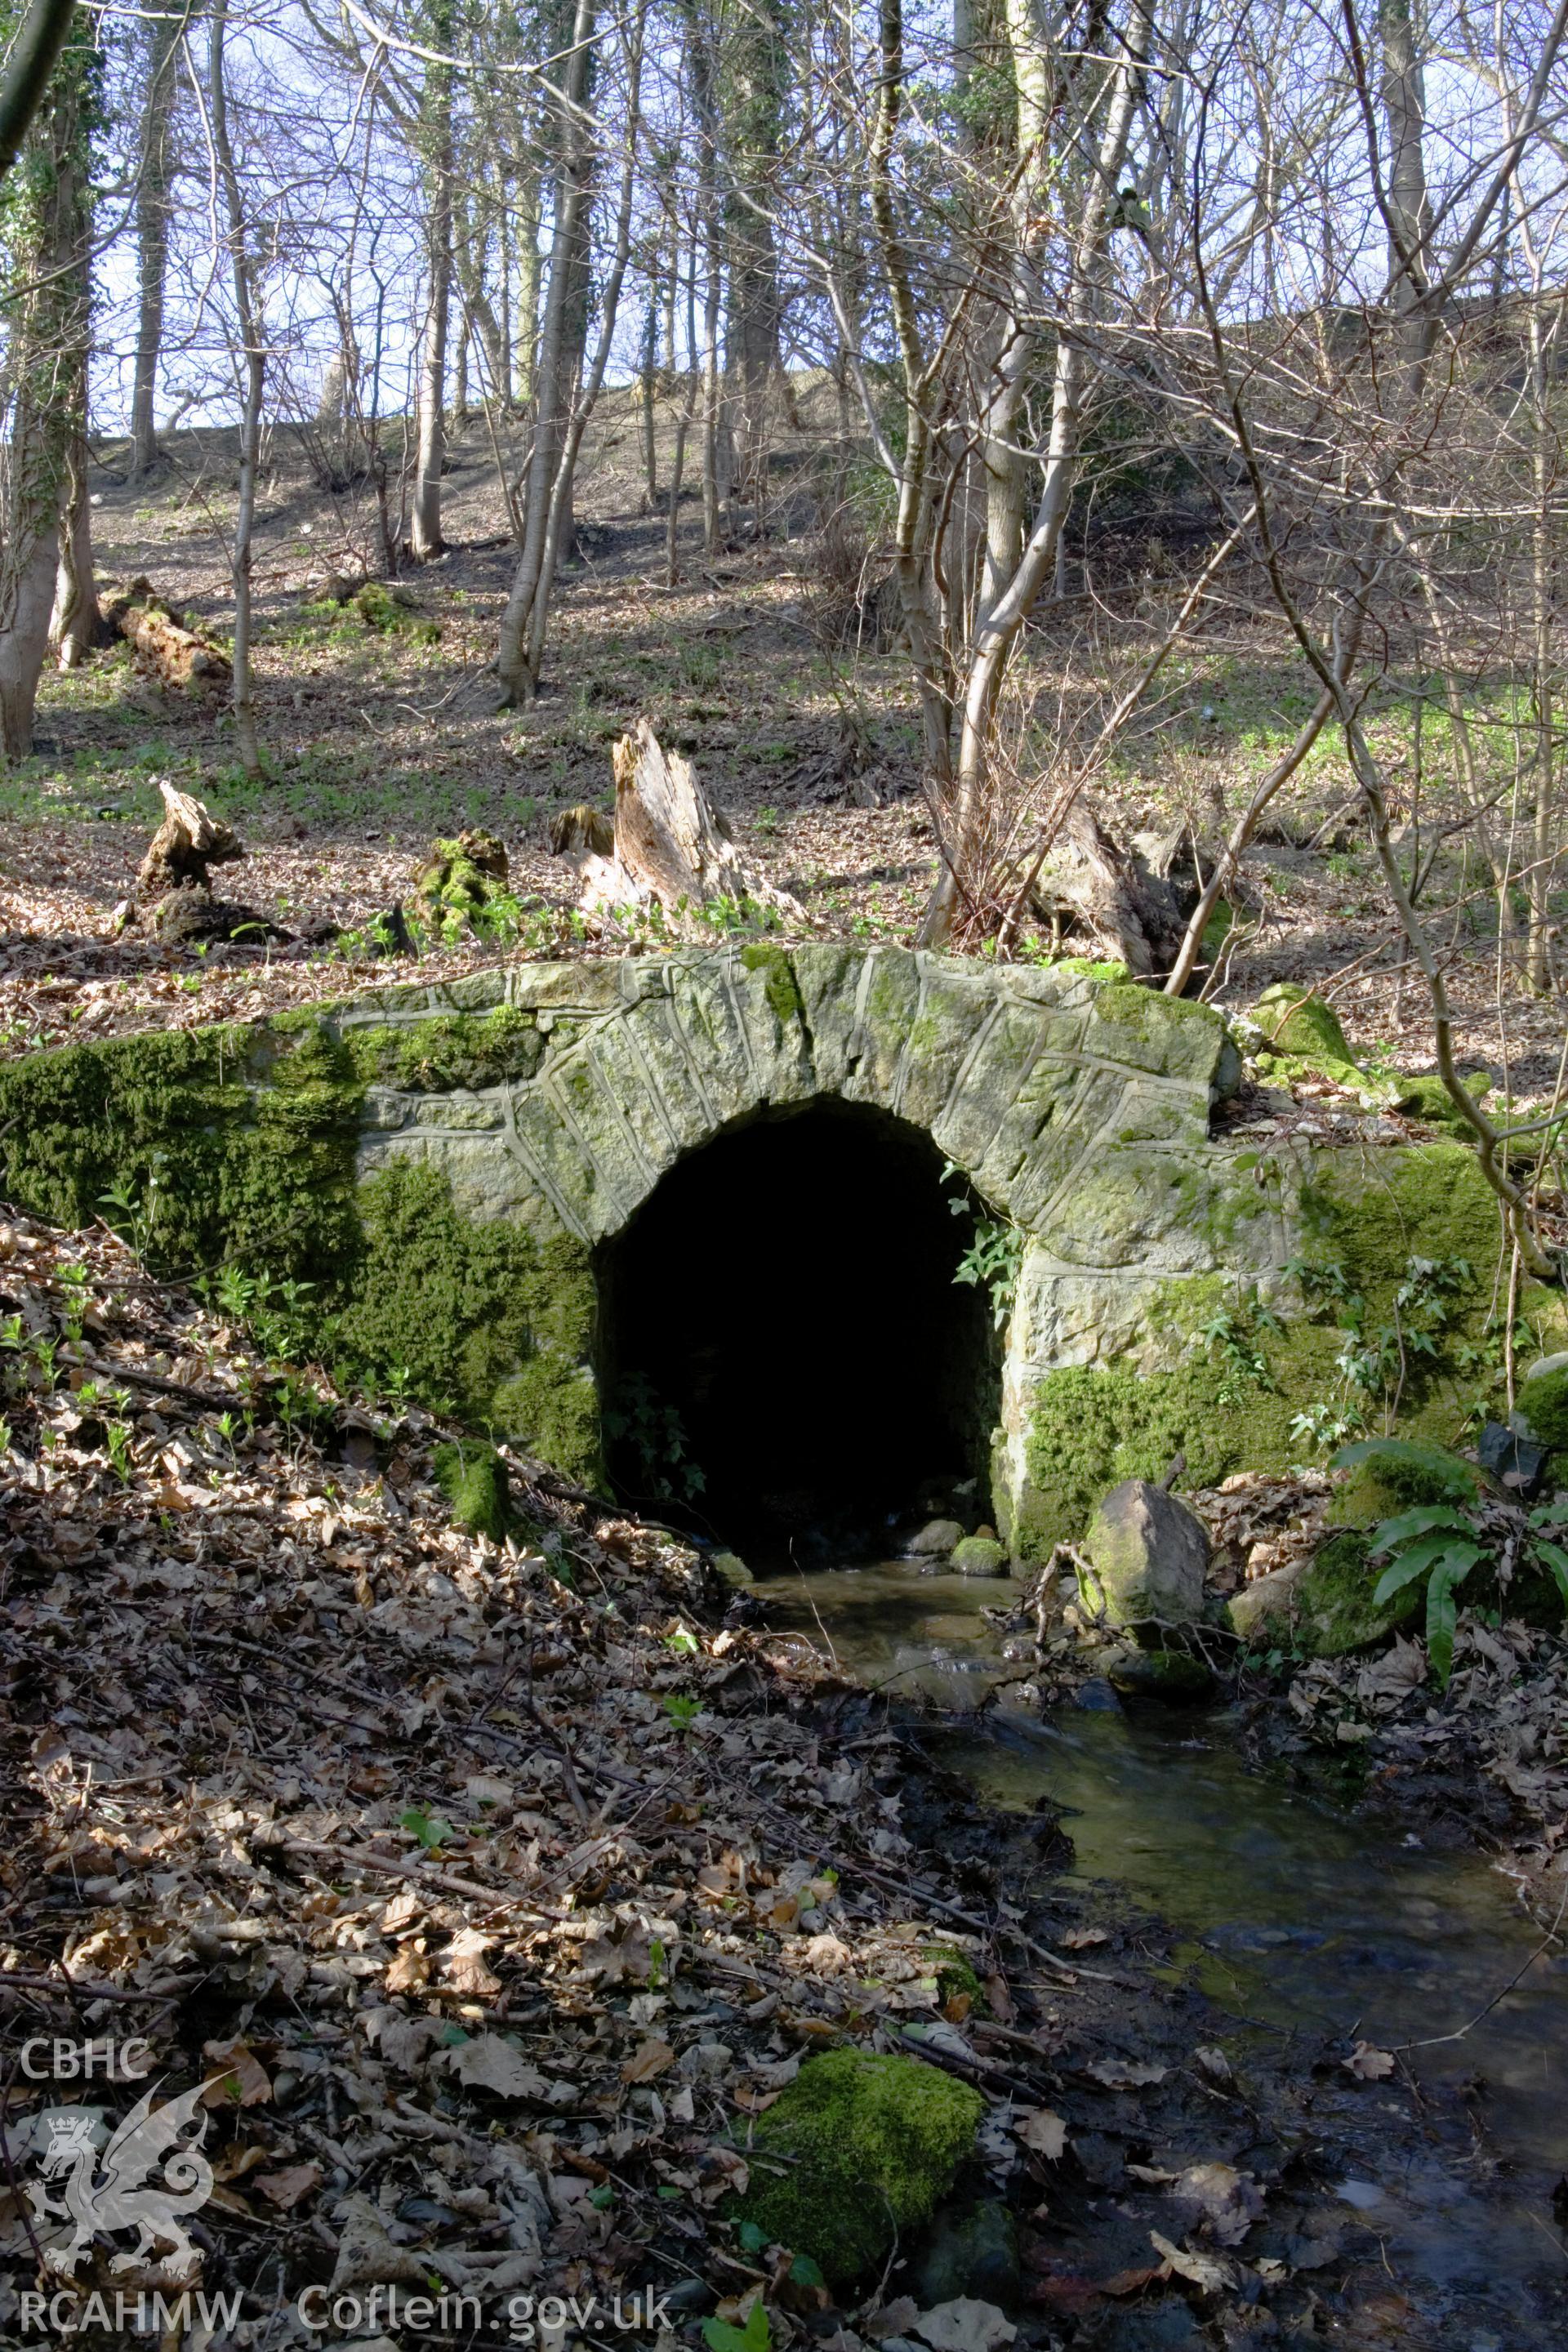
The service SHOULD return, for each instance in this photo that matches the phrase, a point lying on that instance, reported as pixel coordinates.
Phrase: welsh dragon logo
(117, 2190)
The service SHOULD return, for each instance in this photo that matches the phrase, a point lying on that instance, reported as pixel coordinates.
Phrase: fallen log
(176, 654)
(669, 848)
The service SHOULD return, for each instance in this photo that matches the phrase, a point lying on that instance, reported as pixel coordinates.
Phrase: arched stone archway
(1077, 1104)
(1021, 1077)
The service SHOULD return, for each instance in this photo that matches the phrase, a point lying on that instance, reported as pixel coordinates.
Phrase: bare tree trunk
(649, 373)
(76, 625)
(682, 427)
(248, 310)
(558, 523)
(27, 594)
(154, 172)
(561, 340)
(1544, 531)
(998, 628)
(525, 329)
(911, 469)
(46, 367)
(699, 65)
(425, 539)
(755, 67)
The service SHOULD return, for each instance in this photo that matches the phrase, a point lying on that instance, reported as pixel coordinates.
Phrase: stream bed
(1306, 1927)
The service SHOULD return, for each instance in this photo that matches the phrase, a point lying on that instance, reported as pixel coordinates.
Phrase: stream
(1306, 1925)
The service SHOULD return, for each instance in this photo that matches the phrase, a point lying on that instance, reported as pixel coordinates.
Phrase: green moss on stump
(856, 2148)
(473, 1479)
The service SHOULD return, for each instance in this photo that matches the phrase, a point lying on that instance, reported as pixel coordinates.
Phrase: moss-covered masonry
(1305, 1250)
(439, 1166)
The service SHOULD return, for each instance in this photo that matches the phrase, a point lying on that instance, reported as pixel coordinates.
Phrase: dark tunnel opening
(781, 1322)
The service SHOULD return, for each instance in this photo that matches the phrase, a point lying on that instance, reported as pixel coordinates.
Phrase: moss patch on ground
(1232, 1402)
(858, 2147)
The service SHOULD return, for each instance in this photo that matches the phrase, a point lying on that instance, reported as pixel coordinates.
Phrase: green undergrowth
(1390, 1324)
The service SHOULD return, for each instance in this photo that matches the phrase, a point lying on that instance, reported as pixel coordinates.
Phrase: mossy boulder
(1543, 1403)
(1388, 1476)
(1428, 1098)
(1335, 1613)
(980, 1556)
(732, 1569)
(859, 2149)
(1296, 1023)
(1147, 1556)
(936, 1540)
(473, 1479)
(1301, 1038)
(1177, 1677)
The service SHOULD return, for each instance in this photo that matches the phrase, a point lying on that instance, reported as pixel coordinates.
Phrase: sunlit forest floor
(767, 665)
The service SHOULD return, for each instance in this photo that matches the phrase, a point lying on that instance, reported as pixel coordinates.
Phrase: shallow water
(1298, 1920)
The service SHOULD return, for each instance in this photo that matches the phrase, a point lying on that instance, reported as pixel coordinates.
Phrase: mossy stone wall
(439, 1165)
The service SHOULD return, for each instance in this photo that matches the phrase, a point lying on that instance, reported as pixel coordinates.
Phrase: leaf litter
(486, 1957)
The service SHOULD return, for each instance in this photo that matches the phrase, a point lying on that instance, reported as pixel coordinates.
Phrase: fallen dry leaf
(463, 1963)
(240, 2080)
(1043, 2131)
(653, 2059)
(490, 2062)
(286, 2188)
(1200, 2270)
